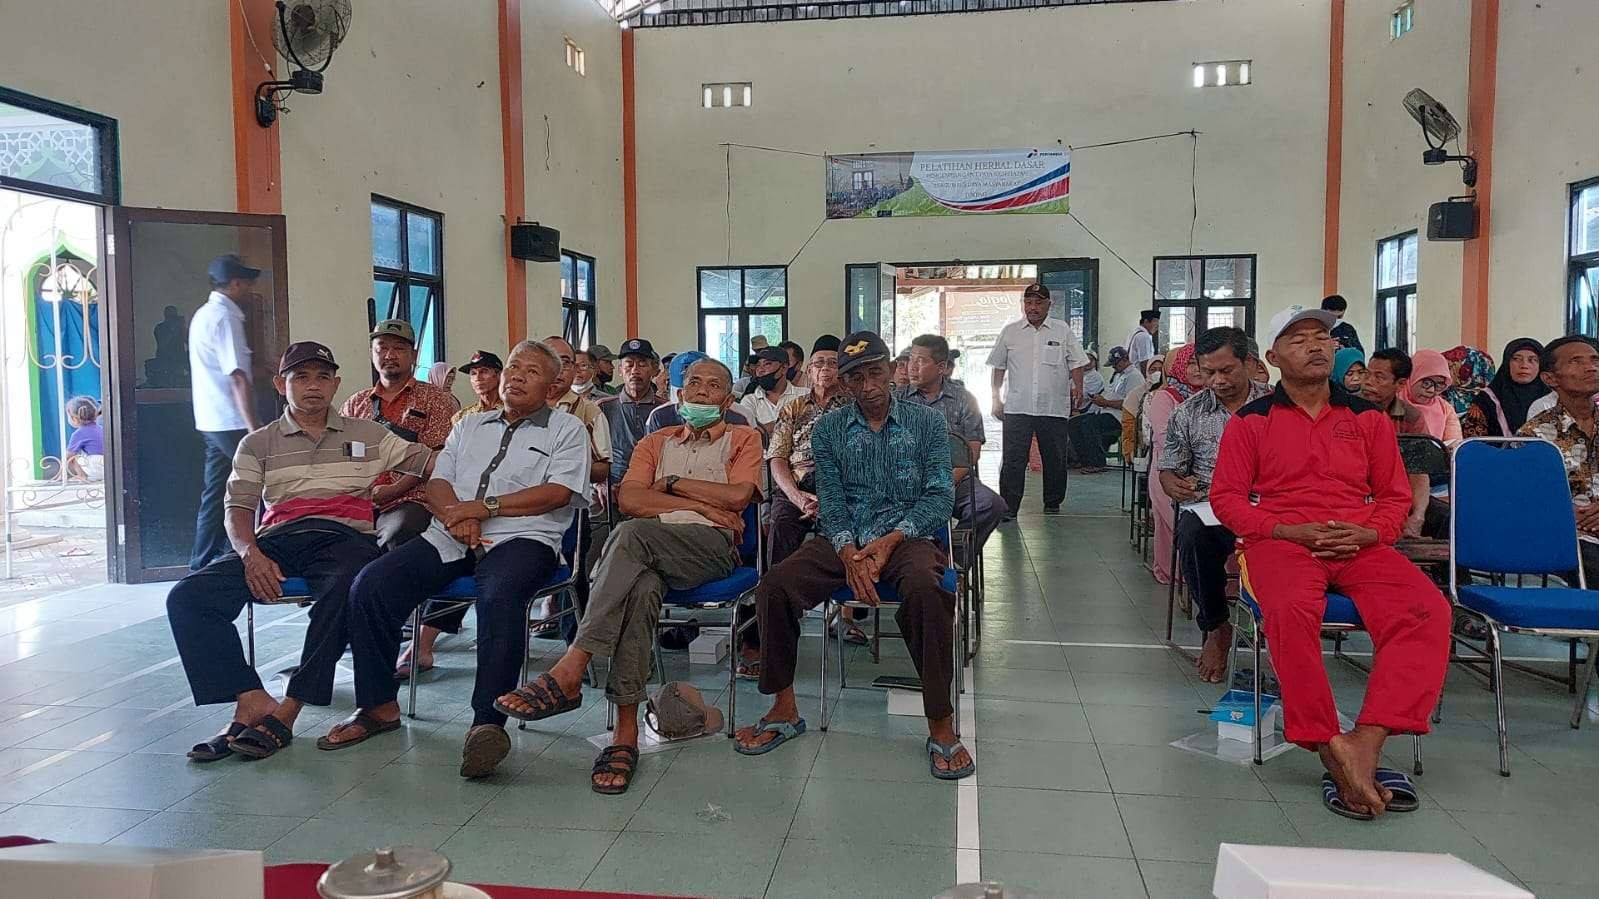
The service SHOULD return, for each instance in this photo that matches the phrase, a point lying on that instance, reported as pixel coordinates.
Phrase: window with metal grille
(1197, 293)
(1396, 292)
(408, 273)
(577, 300)
(738, 304)
(1582, 260)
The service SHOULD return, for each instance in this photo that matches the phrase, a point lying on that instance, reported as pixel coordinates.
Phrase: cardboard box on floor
(76, 871)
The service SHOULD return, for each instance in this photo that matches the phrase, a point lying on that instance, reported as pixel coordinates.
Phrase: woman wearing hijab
(1182, 381)
(1500, 409)
(1134, 404)
(1471, 369)
(442, 375)
(1429, 380)
(1349, 368)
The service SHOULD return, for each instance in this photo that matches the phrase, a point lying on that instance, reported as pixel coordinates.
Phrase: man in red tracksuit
(1330, 498)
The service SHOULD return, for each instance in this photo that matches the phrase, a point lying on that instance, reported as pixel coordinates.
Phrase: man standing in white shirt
(1141, 343)
(1039, 362)
(219, 365)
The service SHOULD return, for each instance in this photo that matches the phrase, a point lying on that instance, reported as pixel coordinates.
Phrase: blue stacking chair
(1497, 479)
(724, 595)
(296, 592)
(844, 598)
(1340, 619)
(463, 592)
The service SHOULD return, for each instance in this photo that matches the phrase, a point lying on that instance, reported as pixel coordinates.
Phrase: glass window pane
(768, 326)
(383, 298)
(422, 234)
(1229, 278)
(1390, 321)
(422, 313)
(48, 150)
(765, 287)
(1585, 221)
(1407, 260)
(720, 288)
(1387, 263)
(1584, 311)
(1177, 279)
(385, 236)
(863, 297)
(1226, 317)
(1410, 323)
(1176, 326)
(723, 340)
(567, 266)
(585, 281)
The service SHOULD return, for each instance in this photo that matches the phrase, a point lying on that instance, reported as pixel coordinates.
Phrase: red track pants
(1405, 614)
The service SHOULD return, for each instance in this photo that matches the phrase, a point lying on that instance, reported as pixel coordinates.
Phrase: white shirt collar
(222, 299)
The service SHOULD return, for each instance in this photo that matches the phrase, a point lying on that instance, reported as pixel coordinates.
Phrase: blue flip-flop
(785, 730)
(1335, 803)
(948, 751)
(1406, 798)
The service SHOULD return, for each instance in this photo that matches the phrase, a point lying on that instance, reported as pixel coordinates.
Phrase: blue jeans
(210, 535)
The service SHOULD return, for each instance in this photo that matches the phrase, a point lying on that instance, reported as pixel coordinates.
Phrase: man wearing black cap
(772, 390)
(219, 365)
(484, 371)
(604, 370)
(885, 493)
(628, 413)
(1141, 343)
(311, 474)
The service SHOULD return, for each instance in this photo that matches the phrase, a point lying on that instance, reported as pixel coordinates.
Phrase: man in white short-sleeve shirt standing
(1141, 343)
(219, 366)
(1039, 363)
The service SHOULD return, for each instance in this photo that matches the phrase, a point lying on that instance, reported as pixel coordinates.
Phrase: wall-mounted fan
(308, 32)
(1439, 128)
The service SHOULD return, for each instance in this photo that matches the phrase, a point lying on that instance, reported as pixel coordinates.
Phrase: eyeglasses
(1432, 385)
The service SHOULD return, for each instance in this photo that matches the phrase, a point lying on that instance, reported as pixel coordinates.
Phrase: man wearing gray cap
(219, 364)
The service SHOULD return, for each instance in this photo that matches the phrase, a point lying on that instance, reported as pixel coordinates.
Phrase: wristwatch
(492, 503)
(671, 483)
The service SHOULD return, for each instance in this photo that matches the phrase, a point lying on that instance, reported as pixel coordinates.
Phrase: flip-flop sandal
(403, 672)
(785, 730)
(544, 696)
(548, 629)
(1335, 802)
(218, 747)
(605, 763)
(948, 751)
(263, 740)
(1406, 797)
(750, 669)
(486, 747)
(371, 727)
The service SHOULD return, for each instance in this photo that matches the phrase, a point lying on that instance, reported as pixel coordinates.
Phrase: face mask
(767, 381)
(793, 373)
(699, 415)
(581, 389)
(602, 376)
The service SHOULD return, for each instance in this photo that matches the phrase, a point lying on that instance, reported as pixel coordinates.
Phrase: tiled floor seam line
(968, 833)
(1111, 787)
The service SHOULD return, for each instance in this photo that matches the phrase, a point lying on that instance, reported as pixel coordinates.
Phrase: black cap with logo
(637, 346)
(481, 359)
(859, 349)
(303, 352)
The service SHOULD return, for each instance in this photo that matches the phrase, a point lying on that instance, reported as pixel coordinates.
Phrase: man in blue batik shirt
(885, 493)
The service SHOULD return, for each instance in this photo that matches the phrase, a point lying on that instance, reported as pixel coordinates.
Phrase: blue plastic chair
(1497, 479)
(844, 598)
(463, 592)
(296, 592)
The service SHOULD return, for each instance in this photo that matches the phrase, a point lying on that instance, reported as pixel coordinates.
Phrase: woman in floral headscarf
(1471, 370)
(1182, 381)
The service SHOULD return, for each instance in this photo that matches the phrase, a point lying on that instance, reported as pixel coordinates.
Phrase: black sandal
(606, 764)
(370, 726)
(264, 740)
(218, 747)
(545, 698)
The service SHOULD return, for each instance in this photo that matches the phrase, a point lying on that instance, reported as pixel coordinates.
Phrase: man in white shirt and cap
(1141, 343)
(219, 364)
(1038, 362)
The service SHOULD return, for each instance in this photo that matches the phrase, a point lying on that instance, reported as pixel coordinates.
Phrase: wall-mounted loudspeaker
(535, 243)
(1452, 220)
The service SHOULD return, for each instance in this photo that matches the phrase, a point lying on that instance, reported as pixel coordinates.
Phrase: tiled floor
(1078, 793)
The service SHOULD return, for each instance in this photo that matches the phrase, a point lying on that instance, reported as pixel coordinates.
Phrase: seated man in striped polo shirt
(313, 469)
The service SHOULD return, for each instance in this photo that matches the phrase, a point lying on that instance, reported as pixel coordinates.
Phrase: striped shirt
(329, 477)
(872, 482)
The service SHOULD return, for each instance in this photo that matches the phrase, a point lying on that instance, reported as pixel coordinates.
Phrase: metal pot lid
(992, 889)
(397, 872)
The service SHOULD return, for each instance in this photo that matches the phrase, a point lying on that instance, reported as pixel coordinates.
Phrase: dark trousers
(202, 607)
(1019, 431)
(398, 525)
(786, 530)
(388, 590)
(1091, 434)
(978, 507)
(1202, 554)
(926, 614)
(210, 534)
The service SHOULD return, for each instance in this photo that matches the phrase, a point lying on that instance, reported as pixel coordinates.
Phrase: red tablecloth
(299, 882)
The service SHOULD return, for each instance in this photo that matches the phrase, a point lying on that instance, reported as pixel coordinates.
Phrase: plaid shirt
(872, 482)
(791, 435)
(1576, 448)
(420, 407)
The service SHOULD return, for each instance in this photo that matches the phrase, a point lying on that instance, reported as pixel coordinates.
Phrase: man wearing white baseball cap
(1332, 498)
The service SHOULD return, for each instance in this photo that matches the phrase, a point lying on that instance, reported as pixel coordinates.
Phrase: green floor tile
(64, 824)
(846, 756)
(1026, 683)
(423, 794)
(40, 720)
(728, 803)
(1424, 830)
(1143, 725)
(811, 869)
(149, 782)
(687, 865)
(715, 754)
(1170, 828)
(532, 856)
(1061, 822)
(1042, 765)
(1064, 876)
(1167, 771)
(1554, 846)
(322, 840)
(1171, 691)
(880, 811)
(1177, 880)
(208, 830)
(1032, 720)
(274, 787)
(28, 773)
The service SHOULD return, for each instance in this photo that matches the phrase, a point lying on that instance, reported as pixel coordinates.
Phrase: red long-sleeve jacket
(1277, 466)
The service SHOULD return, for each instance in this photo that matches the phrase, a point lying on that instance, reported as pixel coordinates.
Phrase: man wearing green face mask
(684, 494)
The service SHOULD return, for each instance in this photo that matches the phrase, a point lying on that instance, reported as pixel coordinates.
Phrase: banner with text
(949, 182)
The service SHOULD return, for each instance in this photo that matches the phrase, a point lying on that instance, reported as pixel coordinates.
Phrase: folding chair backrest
(1425, 454)
(1510, 508)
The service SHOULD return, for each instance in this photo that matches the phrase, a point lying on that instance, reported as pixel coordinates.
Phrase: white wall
(1078, 75)
(1386, 188)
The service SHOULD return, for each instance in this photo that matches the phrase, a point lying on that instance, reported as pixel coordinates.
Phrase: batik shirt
(1576, 448)
(791, 435)
(1193, 435)
(871, 482)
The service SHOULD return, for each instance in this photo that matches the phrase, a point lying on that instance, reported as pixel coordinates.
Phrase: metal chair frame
(301, 600)
(1493, 652)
